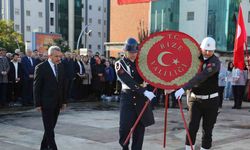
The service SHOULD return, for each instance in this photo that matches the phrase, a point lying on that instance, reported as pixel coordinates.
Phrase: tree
(61, 43)
(9, 39)
(142, 31)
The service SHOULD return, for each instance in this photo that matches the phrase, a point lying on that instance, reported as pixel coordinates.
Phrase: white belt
(205, 96)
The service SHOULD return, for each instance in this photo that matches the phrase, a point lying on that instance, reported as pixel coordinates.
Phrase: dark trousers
(15, 91)
(238, 91)
(109, 88)
(49, 117)
(221, 93)
(77, 89)
(27, 92)
(3, 93)
(128, 117)
(208, 111)
(68, 85)
(86, 90)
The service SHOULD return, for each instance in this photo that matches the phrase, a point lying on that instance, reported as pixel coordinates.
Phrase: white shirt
(52, 65)
(16, 68)
(80, 66)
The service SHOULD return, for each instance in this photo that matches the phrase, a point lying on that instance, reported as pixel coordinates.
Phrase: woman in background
(228, 94)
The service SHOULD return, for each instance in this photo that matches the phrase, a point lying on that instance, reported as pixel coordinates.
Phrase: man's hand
(63, 107)
(149, 95)
(4, 72)
(178, 94)
(39, 109)
(31, 76)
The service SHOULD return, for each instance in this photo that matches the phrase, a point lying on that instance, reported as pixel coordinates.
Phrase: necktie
(31, 62)
(56, 72)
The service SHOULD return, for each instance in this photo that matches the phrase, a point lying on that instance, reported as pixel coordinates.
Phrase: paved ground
(94, 126)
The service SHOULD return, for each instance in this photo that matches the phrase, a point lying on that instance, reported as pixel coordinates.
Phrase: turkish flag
(121, 2)
(240, 41)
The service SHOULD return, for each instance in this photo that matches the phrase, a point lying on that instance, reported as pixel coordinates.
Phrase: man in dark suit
(15, 76)
(4, 69)
(29, 64)
(49, 94)
(68, 64)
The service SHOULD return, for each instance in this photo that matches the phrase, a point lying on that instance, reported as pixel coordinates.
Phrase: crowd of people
(92, 76)
(233, 84)
(86, 76)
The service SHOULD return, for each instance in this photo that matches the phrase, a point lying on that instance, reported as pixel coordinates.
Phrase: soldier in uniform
(133, 97)
(204, 97)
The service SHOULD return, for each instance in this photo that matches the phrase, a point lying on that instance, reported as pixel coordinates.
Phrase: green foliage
(9, 39)
(61, 43)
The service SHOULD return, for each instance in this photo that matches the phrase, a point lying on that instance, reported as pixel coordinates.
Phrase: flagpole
(248, 61)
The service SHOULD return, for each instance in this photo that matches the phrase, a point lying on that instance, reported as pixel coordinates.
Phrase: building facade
(200, 19)
(125, 22)
(84, 15)
(95, 21)
(30, 16)
(246, 12)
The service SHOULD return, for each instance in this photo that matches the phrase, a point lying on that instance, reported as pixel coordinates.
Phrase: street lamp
(83, 31)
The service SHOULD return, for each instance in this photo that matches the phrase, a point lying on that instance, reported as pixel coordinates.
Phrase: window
(82, 19)
(104, 9)
(40, 29)
(82, 6)
(40, 0)
(51, 21)
(90, 46)
(99, 34)
(51, 6)
(17, 11)
(99, 21)
(104, 35)
(171, 18)
(40, 14)
(104, 22)
(190, 16)
(90, 7)
(17, 27)
(99, 8)
(28, 29)
(27, 13)
(98, 46)
(78, 4)
(249, 16)
(90, 20)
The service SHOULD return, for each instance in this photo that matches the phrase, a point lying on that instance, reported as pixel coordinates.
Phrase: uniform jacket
(206, 81)
(132, 91)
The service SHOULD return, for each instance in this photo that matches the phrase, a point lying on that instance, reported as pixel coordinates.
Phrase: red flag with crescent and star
(122, 2)
(239, 43)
